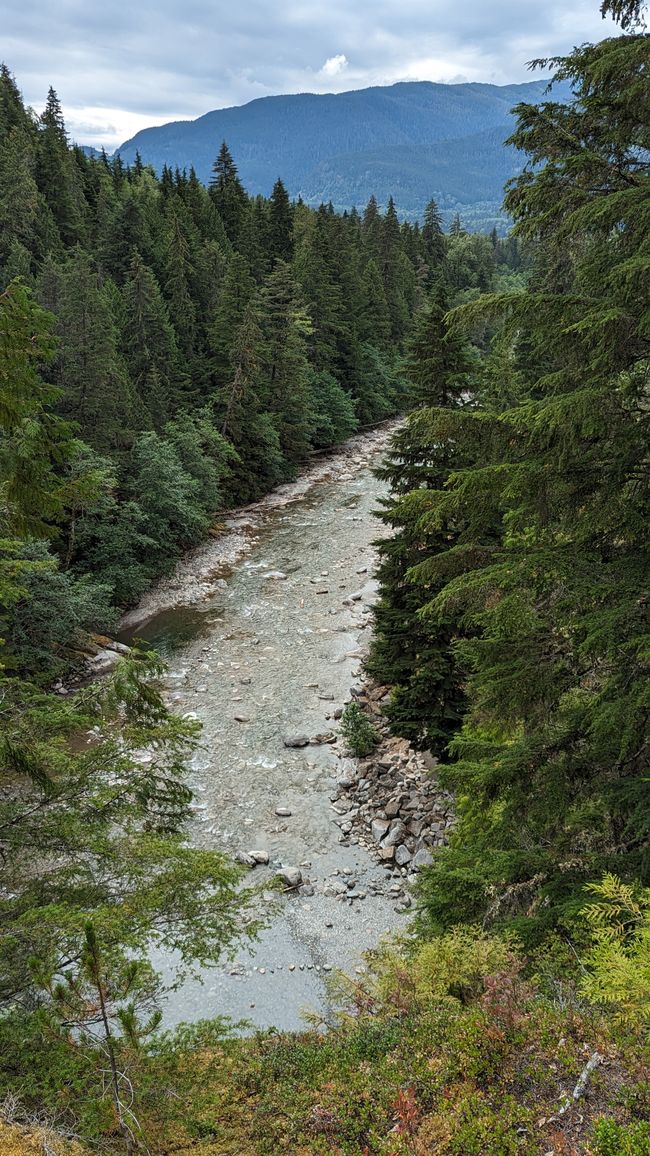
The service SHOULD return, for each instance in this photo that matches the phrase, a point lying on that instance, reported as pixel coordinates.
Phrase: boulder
(290, 876)
(402, 855)
(296, 740)
(395, 834)
(378, 829)
(247, 860)
(260, 856)
(422, 858)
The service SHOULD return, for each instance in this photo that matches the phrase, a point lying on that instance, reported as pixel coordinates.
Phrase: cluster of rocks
(391, 803)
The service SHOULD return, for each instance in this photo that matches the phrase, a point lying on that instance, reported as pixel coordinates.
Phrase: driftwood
(583, 1080)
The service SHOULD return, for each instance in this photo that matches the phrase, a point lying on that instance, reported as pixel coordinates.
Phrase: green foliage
(612, 1139)
(357, 730)
(619, 962)
(523, 555)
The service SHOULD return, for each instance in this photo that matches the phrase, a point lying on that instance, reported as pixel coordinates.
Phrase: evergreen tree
(241, 409)
(55, 173)
(19, 204)
(236, 292)
(149, 343)
(280, 230)
(228, 193)
(433, 240)
(410, 653)
(285, 370)
(552, 760)
(96, 392)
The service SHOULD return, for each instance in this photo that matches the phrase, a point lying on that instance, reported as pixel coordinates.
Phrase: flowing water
(256, 660)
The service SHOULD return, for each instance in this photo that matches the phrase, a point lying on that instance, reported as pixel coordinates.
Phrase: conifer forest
(172, 352)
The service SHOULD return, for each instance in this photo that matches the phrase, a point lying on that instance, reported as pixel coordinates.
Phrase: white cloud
(334, 65)
(118, 65)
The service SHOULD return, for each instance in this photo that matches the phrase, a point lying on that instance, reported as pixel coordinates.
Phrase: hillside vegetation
(168, 349)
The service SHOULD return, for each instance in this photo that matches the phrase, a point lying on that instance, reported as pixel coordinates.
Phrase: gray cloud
(119, 66)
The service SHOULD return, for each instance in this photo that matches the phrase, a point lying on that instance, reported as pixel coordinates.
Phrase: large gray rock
(297, 740)
(347, 773)
(402, 855)
(246, 860)
(395, 834)
(379, 828)
(260, 856)
(290, 876)
(422, 858)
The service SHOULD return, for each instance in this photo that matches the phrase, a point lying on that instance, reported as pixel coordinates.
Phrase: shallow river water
(258, 659)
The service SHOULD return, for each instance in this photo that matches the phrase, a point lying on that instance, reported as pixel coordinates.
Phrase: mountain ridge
(303, 137)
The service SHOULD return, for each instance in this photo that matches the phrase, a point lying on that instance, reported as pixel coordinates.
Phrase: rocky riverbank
(202, 570)
(392, 801)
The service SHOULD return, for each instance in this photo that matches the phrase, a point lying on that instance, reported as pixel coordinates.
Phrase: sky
(121, 65)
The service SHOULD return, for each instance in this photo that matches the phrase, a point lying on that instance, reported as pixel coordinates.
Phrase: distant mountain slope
(415, 140)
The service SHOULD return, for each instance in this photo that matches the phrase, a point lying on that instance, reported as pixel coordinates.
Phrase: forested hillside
(195, 346)
(412, 140)
(168, 350)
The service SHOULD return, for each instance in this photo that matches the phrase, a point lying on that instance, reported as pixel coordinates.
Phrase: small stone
(334, 887)
(283, 812)
(274, 576)
(402, 855)
(242, 718)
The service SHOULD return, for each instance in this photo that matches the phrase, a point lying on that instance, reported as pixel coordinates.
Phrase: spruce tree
(286, 328)
(149, 344)
(55, 173)
(552, 761)
(280, 227)
(96, 391)
(412, 654)
(228, 193)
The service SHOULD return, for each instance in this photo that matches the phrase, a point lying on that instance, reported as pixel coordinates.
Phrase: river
(257, 658)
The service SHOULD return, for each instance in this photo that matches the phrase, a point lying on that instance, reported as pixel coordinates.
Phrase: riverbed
(267, 647)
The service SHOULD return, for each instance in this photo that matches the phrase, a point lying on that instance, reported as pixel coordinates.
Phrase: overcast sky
(121, 65)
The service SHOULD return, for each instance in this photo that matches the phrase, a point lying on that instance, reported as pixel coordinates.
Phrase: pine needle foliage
(542, 586)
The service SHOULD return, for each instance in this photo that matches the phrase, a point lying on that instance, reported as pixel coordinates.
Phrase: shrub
(358, 732)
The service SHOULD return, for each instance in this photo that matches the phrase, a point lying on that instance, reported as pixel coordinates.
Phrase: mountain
(416, 140)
